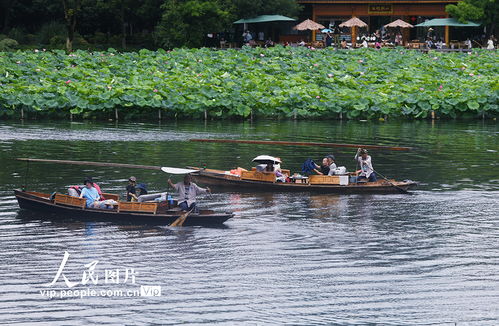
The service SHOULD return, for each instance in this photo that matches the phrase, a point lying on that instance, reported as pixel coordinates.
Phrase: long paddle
(402, 190)
(181, 219)
(268, 142)
(117, 165)
(165, 169)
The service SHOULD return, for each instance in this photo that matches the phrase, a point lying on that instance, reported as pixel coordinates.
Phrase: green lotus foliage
(285, 82)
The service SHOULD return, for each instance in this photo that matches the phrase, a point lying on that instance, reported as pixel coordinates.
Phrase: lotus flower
(68, 82)
(155, 90)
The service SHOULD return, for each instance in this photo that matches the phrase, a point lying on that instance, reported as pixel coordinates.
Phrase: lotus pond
(277, 82)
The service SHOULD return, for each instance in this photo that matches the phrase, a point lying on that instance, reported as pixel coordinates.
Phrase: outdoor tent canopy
(446, 22)
(265, 19)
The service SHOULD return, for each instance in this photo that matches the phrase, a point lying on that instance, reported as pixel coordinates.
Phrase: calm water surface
(431, 258)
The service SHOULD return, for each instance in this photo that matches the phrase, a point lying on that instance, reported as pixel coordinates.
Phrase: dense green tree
(71, 11)
(109, 22)
(484, 11)
(186, 22)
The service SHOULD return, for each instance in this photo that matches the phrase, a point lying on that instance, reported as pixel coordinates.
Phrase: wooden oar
(268, 142)
(181, 219)
(117, 165)
(402, 190)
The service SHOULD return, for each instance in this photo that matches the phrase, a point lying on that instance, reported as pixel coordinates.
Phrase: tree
(484, 11)
(71, 11)
(186, 22)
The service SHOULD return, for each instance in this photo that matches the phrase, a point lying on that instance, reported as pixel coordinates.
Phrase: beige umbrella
(402, 24)
(399, 23)
(354, 22)
(308, 25)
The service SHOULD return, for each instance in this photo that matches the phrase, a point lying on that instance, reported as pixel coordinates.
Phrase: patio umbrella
(308, 25)
(446, 22)
(354, 22)
(399, 23)
(264, 19)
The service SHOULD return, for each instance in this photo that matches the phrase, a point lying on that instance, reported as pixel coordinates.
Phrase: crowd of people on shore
(381, 37)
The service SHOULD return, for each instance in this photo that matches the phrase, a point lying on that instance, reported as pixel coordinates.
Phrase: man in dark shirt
(130, 189)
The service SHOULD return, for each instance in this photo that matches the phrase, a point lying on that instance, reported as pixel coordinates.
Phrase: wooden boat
(64, 206)
(254, 180)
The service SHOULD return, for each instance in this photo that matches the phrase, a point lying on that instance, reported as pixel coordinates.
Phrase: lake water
(430, 258)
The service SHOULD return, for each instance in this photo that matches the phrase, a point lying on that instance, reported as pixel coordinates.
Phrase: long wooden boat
(253, 180)
(150, 213)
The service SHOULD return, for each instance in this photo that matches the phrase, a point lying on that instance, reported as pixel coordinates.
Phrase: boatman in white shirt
(366, 166)
(187, 192)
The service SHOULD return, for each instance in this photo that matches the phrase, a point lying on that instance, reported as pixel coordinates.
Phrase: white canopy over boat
(265, 159)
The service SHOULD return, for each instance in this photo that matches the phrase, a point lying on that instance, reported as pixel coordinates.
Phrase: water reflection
(285, 258)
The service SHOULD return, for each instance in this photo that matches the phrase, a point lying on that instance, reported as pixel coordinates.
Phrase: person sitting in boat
(366, 167)
(131, 192)
(323, 169)
(187, 192)
(328, 166)
(90, 194)
(75, 191)
(141, 189)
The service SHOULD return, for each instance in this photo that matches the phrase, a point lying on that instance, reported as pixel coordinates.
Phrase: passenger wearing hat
(131, 194)
(366, 167)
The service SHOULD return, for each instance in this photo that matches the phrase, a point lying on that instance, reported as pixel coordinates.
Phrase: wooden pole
(116, 165)
(354, 36)
(313, 18)
(116, 114)
(267, 142)
(447, 36)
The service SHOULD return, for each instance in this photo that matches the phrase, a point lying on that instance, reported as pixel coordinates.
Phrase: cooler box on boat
(258, 176)
(329, 180)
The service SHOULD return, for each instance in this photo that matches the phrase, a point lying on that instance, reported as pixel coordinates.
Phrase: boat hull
(220, 180)
(39, 204)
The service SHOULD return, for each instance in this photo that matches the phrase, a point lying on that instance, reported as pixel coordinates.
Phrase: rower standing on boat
(187, 192)
(366, 166)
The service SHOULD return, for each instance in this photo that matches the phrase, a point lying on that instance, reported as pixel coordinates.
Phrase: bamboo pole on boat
(117, 165)
(268, 142)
